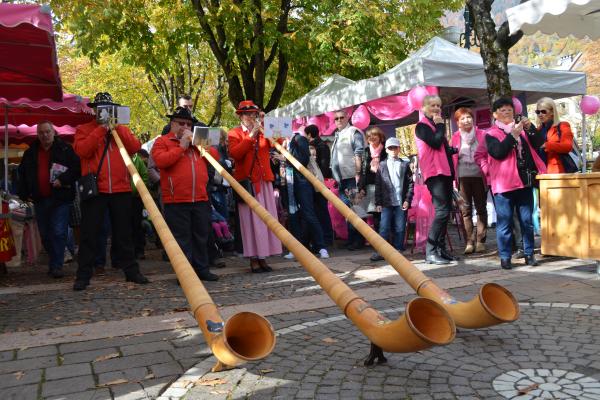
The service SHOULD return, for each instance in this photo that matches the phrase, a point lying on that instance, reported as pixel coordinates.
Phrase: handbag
(87, 186)
(571, 161)
(247, 182)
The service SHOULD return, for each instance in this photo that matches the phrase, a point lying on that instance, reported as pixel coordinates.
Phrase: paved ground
(123, 341)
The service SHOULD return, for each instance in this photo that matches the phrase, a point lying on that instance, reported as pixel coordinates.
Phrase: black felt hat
(102, 99)
(182, 113)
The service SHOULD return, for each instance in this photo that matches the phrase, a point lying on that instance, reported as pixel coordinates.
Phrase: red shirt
(43, 172)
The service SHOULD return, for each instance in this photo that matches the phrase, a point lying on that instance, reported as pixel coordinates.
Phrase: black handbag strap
(254, 158)
(108, 137)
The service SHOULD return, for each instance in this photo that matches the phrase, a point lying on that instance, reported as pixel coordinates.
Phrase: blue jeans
(219, 202)
(354, 237)
(322, 211)
(305, 196)
(52, 218)
(397, 216)
(520, 200)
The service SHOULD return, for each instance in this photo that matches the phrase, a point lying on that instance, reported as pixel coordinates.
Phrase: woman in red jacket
(551, 145)
(251, 152)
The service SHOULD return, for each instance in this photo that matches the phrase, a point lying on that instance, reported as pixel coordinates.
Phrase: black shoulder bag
(87, 187)
(247, 182)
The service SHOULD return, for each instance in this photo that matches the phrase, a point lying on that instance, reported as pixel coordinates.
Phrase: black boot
(505, 263)
(446, 254)
(531, 261)
(435, 258)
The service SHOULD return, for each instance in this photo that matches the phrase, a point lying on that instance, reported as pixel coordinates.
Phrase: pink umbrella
(28, 63)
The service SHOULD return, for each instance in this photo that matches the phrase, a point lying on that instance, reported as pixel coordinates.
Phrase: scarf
(375, 153)
(507, 128)
(466, 144)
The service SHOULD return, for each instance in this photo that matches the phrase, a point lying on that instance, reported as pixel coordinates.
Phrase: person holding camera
(251, 152)
(511, 164)
(470, 180)
(47, 176)
(434, 154)
(100, 156)
(183, 182)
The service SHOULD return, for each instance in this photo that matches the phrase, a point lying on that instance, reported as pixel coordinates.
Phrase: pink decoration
(390, 107)
(416, 96)
(518, 105)
(297, 123)
(321, 121)
(361, 118)
(590, 105)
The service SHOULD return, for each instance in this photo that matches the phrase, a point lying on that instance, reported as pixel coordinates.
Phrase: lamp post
(465, 38)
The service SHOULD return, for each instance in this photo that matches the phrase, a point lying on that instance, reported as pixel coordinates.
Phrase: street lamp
(466, 40)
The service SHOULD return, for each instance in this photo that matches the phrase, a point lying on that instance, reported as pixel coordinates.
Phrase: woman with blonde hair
(552, 138)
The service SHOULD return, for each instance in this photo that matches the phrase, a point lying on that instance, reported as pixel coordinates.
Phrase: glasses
(184, 123)
(392, 147)
(340, 118)
(543, 112)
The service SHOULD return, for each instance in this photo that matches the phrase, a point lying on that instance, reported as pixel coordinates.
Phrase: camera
(451, 150)
(111, 114)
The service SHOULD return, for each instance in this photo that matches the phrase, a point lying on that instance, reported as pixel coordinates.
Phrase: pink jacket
(503, 175)
(433, 162)
(456, 142)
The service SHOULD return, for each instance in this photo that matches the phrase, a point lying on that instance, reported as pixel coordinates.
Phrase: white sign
(278, 127)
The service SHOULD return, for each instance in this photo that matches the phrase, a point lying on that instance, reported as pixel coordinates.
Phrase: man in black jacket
(48, 172)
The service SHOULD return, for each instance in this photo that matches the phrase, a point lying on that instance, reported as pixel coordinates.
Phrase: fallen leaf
(106, 357)
(115, 382)
(329, 340)
(77, 334)
(80, 322)
(266, 371)
(211, 382)
(18, 375)
(147, 311)
(180, 309)
(58, 318)
(528, 388)
(149, 376)
(307, 337)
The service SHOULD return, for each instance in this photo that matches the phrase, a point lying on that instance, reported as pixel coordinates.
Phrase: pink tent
(28, 63)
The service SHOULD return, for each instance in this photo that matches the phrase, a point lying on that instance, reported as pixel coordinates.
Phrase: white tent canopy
(302, 106)
(579, 18)
(456, 71)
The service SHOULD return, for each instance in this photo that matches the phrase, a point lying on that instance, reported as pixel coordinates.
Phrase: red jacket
(183, 173)
(555, 147)
(241, 149)
(89, 145)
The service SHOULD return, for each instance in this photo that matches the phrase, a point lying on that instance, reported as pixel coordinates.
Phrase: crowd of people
(88, 186)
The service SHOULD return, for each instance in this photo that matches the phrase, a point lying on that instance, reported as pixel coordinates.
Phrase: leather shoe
(531, 261)
(80, 285)
(518, 254)
(445, 254)
(376, 257)
(263, 265)
(208, 276)
(469, 249)
(138, 278)
(57, 273)
(436, 259)
(505, 264)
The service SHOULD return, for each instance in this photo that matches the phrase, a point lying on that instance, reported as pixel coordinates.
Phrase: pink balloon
(361, 118)
(433, 90)
(590, 104)
(416, 96)
(321, 121)
(297, 123)
(518, 105)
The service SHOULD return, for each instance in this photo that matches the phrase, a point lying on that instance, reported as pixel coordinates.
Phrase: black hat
(102, 99)
(182, 113)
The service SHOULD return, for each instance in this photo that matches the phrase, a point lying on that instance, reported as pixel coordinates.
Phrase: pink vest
(503, 174)
(433, 162)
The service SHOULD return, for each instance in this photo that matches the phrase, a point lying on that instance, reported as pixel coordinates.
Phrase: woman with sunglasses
(250, 151)
(551, 138)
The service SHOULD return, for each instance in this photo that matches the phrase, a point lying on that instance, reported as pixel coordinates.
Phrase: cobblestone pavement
(123, 341)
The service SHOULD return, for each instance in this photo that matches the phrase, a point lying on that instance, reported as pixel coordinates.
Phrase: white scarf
(467, 139)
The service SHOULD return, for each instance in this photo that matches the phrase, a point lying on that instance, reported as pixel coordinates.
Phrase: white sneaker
(289, 256)
(323, 253)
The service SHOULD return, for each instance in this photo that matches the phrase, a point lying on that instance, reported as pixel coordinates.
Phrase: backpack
(571, 161)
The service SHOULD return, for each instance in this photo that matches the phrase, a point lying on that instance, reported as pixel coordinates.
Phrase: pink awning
(27, 134)
(28, 62)
(73, 110)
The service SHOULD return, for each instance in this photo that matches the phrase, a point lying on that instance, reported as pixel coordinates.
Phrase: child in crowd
(220, 227)
(394, 191)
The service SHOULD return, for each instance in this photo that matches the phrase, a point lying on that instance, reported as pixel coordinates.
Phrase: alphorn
(493, 305)
(424, 323)
(245, 336)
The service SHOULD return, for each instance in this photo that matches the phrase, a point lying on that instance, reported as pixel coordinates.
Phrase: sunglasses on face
(543, 112)
(340, 118)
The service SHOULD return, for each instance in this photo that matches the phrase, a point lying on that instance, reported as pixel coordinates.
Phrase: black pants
(139, 237)
(440, 188)
(189, 224)
(92, 219)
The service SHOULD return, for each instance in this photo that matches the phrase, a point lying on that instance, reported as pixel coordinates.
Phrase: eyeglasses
(392, 147)
(184, 123)
(340, 118)
(543, 112)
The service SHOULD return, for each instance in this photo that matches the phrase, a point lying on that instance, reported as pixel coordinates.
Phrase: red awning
(73, 110)
(28, 62)
(27, 134)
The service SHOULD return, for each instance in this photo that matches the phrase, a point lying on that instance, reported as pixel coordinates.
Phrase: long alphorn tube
(423, 325)
(493, 305)
(245, 336)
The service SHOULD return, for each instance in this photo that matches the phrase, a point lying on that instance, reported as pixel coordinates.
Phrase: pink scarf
(507, 128)
(375, 152)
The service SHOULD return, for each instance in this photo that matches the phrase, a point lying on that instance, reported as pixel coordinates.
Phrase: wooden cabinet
(570, 214)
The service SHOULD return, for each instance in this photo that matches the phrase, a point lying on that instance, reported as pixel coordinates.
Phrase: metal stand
(376, 353)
